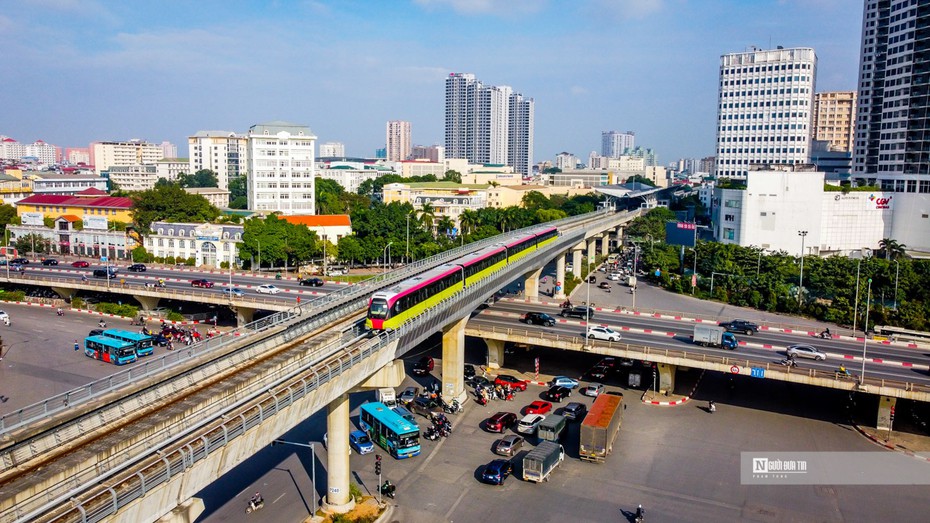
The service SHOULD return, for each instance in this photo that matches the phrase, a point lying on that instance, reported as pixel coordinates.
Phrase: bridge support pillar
(338, 500)
(495, 353)
(244, 315)
(620, 237)
(391, 375)
(666, 378)
(605, 244)
(453, 361)
(885, 406)
(592, 251)
(576, 262)
(186, 512)
(64, 292)
(532, 283)
(148, 302)
(560, 276)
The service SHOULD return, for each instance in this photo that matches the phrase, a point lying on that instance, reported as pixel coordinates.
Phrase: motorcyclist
(60, 312)
(83, 277)
(640, 514)
(256, 500)
(388, 489)
(102, 324)
(842, 370)
(826, 333)
(711, 406)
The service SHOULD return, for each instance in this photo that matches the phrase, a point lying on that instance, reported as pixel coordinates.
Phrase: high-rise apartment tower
(398, 140)
(833, 118)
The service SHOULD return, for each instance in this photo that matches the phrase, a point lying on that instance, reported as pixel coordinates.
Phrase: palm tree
(427, 216)
(445, 225)
(508, 218)
(890, 249)
(468, 221)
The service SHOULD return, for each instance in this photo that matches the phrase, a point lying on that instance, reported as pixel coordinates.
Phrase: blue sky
(78, 71)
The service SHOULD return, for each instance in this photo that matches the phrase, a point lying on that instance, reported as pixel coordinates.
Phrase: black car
(746, 327)
(478, 381)
(469, 371)
(136, 267)
(424, 406)
(104, 273)
(538, 318)
(19, 261)
(579, 311)
(574, 411)
(312, 282)
(95, 332)
(558, 393)
(497, 471)
(49, 261)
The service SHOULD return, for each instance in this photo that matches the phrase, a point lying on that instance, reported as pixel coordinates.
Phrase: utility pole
(803, 235)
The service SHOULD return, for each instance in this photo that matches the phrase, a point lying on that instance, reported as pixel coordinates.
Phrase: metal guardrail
(644, 352)
(167, 466)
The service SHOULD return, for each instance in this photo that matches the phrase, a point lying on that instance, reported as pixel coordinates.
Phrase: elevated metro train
(390, 308)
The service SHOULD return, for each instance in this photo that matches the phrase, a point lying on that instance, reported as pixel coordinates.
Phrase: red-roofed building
(114, 208)
(330, 227)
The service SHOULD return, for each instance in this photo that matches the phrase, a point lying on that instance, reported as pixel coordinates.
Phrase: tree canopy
(238, 192)
(201, 178)
(169, 202)
(271, 241)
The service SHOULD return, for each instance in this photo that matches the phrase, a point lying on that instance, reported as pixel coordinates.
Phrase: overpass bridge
(136, 448)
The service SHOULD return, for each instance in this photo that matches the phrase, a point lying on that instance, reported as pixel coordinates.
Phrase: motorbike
(60, 312)
(481, 400)
(431, 434)
(823, 335)
(253, 506)
(788, 362)
(711, 407)
(452, 408)
(388, 489)
(102, 324)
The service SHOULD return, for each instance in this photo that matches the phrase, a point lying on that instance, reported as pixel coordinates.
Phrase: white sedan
(267, 289)
(603, 333)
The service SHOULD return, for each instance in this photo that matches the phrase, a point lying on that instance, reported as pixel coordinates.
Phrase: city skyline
(88, 71)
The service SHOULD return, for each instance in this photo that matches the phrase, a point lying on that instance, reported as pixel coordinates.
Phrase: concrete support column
(453, 361)
(244, 315)
(532, 283)
(64, 292)
(885, 405)
(148, 302)
(592, 246)
(495, 353)
(619, 234)
(560, 275)
(605, 244)
(666, 378)
(338, 470)
(576, 262)
(186, 512)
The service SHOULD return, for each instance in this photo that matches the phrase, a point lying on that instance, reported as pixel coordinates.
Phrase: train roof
(417, 280)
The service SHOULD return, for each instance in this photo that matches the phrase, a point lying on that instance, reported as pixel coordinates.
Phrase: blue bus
(110, 350)
(143, 343)
(389, 430)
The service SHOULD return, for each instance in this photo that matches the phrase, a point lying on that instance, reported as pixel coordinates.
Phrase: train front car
(390, 308)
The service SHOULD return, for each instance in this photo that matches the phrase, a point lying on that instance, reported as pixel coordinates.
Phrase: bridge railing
(646, 353)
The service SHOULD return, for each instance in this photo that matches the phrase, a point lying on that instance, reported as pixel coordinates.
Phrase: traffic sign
(757, 372)
(103, 258)
(734, 369)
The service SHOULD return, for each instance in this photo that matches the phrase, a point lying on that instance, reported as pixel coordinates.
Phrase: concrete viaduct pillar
(495, 353)
(243, 315)
(148, 302)
(338, 472)
(453, 361)
(391, 375)
(885, 406)
(64, 292)
(620, 237)
(592, 246)
(666, 378)
(576, 260)
(186, 512)
(605, 244)
(532, 283)
(560, 275)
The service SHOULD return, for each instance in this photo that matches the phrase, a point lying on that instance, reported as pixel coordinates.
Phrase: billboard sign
(95, 222)
(32, 218)
(680, 233)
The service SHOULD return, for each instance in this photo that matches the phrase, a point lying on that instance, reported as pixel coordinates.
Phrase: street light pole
(865, 330)
(803, 235)
(896, 268)
(407, 251)
(384, 257)
(856, 308)
(312, 447)
(759, 263)
(259, 255)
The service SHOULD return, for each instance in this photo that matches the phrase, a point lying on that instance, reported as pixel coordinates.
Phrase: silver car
(508, 445)
(806, 351)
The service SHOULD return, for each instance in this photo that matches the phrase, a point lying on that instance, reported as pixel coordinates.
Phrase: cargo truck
(541, 461)
(714, 336)
(551, 428)
(600, 427)
(387, 396)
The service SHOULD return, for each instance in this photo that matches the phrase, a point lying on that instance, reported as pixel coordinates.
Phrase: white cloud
(578, 90)
(629, 8)
(494, 7)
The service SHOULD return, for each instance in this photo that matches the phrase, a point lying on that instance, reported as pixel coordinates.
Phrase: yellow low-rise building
(86, 203)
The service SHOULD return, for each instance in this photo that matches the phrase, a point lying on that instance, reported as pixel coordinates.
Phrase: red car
(202, 283)
(537, 407)
(506, 380)
(80, 263)
(501, 421)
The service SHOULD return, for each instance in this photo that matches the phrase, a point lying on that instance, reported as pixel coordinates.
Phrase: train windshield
(378, 308)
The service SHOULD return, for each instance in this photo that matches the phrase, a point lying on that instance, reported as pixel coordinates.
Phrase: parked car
(424, 406)
(578, 311)
(592, 390)
(497, 471)
(574, 411)
(81, 264)
(558, 393)
(136, 267)
(233, 291)
(564, 381)
(603, 333)
(49, 261)
(360, 441)
(19, 261)
(506, 380)
(597, 372)
(205, 284)
(538, 318)
(604, 285)
(530, 423)
(105, 273)
(93, 332)
(469, 371)
(424, 366)
(806, 351)
(478, 381)
(508, 445)
(537, 407)
(312, 282)
(746, 327)
(501, 421)
(267, 289)
(408, 395)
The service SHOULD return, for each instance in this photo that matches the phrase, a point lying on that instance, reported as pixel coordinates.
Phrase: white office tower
(764, 109)
(480, 126)
(223, 152)
(133, 152)
(332, 150)
(281, 168)
(397, 140)
(614, 143)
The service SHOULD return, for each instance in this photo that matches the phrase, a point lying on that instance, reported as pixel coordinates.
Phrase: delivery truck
(551, 428)
(387, 396)
(600, 428)
(714, 336)
(541, 461)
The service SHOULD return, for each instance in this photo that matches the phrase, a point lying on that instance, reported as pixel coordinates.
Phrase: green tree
(274, 242)
(640, 179)
(170, 203)
(452, 176)
(552, 170)
(535, 200)
(890, 249)
(651, 224)
(201, 178)
(427, 216)
(468, 221)
(8, 217)
(238, 192)
(445, 225)
(33, 243)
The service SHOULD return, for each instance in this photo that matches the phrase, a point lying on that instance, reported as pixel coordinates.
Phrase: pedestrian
(77, 346)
